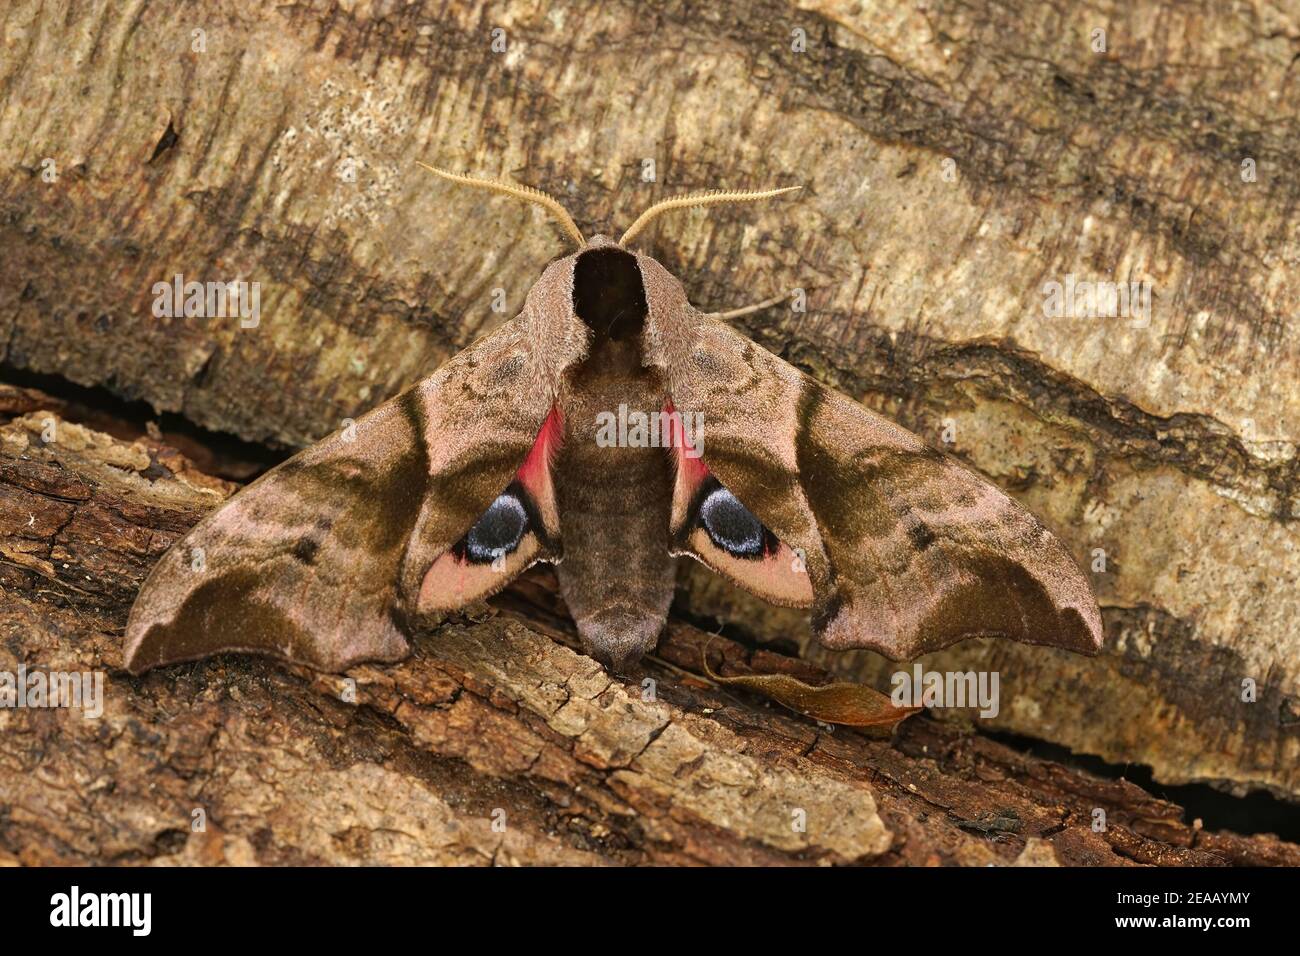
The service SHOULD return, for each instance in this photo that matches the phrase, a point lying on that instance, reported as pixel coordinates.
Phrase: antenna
(526, 193)
(712, 198)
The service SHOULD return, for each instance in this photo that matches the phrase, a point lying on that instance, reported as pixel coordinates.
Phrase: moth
(505, 457)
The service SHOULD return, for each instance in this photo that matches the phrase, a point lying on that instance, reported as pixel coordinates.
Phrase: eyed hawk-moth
(444, 494)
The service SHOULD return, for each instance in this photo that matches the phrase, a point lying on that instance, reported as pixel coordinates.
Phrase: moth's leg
(749, 309)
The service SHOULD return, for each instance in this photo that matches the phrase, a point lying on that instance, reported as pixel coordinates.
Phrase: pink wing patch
(535, 473)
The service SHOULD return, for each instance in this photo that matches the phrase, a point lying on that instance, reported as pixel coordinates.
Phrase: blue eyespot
(498, 532)
(732, 526)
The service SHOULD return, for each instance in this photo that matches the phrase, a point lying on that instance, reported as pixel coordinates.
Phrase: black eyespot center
(733, 527)
(498, 532)
(305, 550)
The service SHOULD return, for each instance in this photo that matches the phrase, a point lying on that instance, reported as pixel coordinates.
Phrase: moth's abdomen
(613, 493)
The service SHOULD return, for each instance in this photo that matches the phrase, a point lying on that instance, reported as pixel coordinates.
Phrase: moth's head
(613, 294)
(609, 294)
(603, 285)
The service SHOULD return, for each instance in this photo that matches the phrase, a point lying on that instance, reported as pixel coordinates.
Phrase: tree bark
(496, 742)
(955, 159)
